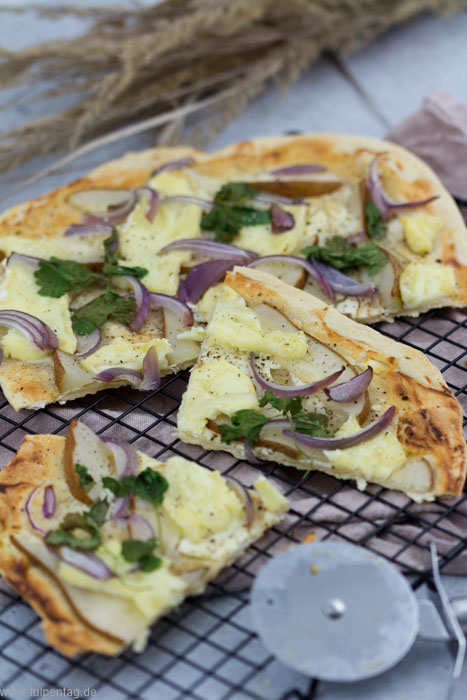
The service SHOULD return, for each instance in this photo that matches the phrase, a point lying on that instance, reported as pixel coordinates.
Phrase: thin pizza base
(40, 461)
(429, 419)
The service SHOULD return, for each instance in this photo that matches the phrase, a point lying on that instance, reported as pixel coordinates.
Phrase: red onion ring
(173, 165)
(88, 344)
(205, 203)
(340, 283)
(351, 389)
(250, 455)
(143, 302)
(84, 561)
(139, 527)
(270, 197)
(115, 213)
(213, 249)
(27, 508)
(151, 371)
(281, 390)
(281, 220)
(303, 169)
(181, 292)
(19, 258)
(153, 201)
(125, 456)
(179, 308)
(49, 504)
(92, 228)
(111, 373)
(319, 443)
(31, 327)
(356, 238)
(244, 495)
(381, 200)
(295, 260)
(119, 507)
(203, 276)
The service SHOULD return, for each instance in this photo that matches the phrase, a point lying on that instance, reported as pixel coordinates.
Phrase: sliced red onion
(203, 276)
(281, 220)
(119, 507)
(340, 283)
(250, 455)
(244, 495)
(85, 562)
(319, 443)
(111, 373)
(381, 200)
(153, 201)
(140, 528)
(33, 328)
(179, 308)
(89, 228)
(143, 302)
(49, 504)
(27, 508)
(125, 456)
(295, 260)
(174, 165)
(186, 199)
(351, 389)
(116, 212)
(212, 249)
(151, 371)
(281, 390)
(88, 344)
(356, 238)
(182, 293)
(269, 197)
(19, 258)
(302, 169)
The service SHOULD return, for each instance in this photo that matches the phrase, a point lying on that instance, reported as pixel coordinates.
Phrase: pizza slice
(284, 377)
(103, 540)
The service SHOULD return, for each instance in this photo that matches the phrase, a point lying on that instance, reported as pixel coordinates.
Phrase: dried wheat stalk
(139, 68)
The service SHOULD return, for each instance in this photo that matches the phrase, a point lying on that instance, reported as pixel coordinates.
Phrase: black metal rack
(207, 649)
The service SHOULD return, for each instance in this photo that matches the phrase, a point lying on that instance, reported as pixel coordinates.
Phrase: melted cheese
(83, 249)
(261, 239)
(235, 325)
(420, 231)
(141, 239)
(423, 283)
(376, 458)
(216, 387)
(337, 214)
(122, 352)
(19, 291)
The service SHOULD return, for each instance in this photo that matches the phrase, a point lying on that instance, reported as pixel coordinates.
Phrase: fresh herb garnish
(229, 214)
(375, 226)
(235, 193)
(248, 424)
(149, 485)
(96, 312)
(111, 266)
(85, 479)
(80, 523)
(343, 256)
(57, 277)
(141, 552)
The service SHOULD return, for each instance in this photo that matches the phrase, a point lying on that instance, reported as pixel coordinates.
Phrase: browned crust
(429, 417)
(39, 459)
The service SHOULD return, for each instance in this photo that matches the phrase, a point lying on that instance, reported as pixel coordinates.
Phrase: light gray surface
(398, 71)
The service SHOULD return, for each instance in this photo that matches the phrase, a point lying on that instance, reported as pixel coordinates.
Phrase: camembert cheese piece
(424, 283)
(420, 231)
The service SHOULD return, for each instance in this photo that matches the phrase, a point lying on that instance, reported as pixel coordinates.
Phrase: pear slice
(82, 446)
(98, 201)
(297, 188)
(291, 274)
(387, 283)
(69, 374)
(184, 352)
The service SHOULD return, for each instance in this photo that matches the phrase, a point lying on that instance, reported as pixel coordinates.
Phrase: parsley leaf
(284, 405)
(369, 255)
(235, 192)
(292, 408)
(96, 312)
(111, 266)
(98, 511)
(245, 423)
(149, 485)
(57, 277)
(85, 479)
(226, 221)
(141, 552)
(82, 522)
(311, 424)
(375, 226)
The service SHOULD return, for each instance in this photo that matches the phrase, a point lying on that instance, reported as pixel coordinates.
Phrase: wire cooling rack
(207, 649)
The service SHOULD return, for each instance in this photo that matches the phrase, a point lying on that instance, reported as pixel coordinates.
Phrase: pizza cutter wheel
(338, 612)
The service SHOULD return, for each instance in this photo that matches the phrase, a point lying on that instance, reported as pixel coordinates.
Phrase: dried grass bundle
(139, 68)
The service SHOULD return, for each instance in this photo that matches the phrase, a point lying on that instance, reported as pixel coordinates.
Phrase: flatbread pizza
(283, 376)
(359, 223)
(103, 540)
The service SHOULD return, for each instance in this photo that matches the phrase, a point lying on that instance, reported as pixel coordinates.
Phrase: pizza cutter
(338, 612)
